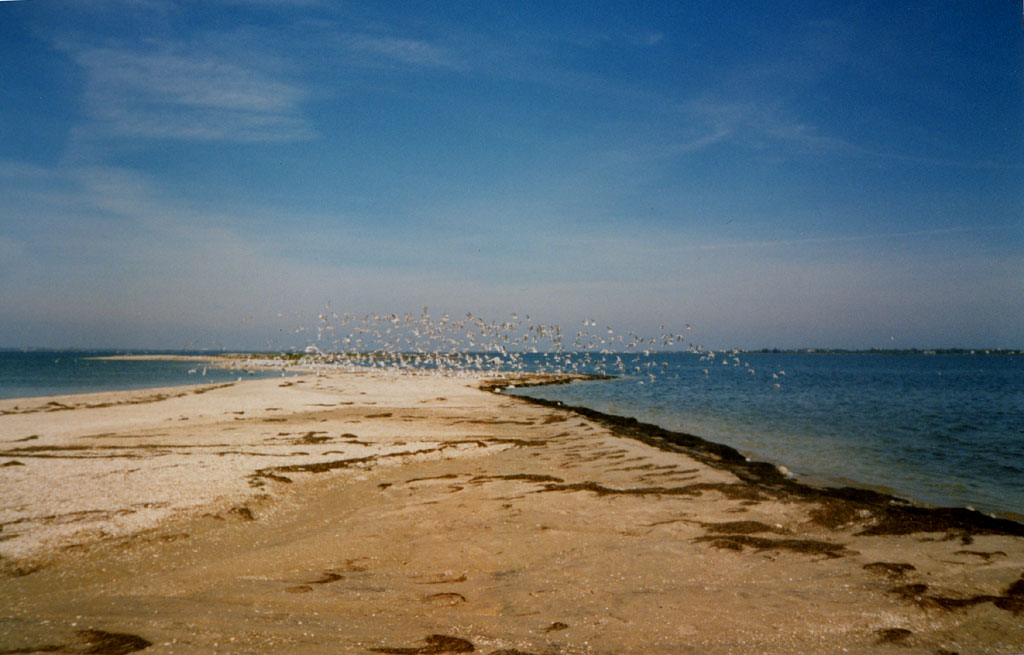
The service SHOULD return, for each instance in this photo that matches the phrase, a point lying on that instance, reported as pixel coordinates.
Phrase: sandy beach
(382, 513)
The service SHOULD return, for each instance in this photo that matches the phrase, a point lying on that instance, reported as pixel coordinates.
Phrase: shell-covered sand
(360, 513)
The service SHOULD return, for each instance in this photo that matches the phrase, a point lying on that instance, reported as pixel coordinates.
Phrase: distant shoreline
(191, 355)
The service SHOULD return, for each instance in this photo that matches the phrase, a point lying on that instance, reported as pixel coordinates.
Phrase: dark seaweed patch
(490, 421)
(893, 635)
(323, 467)
(1016, 589)
(804, 546)
(327, 578)
(442, 579)
(524, 477)
(734, 491)
(99, 642)
(894, 570)
(982, 554)
(91, 642)
(212, 388)
(313, 437)
(243, 513)
(447, 476)
(1011, 600)
(898, 520)
(8, 568)
(519, 443)
(914, 592)
(319, 467)
(436, 644)
(833, 513)
(743, 527)
(276, 478)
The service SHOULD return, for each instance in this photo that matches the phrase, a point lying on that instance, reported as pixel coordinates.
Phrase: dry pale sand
(413, 515)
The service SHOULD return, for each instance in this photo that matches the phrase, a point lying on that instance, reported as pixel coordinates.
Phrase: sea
(942, 430)
(30, 373)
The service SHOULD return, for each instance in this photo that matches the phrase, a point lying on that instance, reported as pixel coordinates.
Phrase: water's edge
(887, 514)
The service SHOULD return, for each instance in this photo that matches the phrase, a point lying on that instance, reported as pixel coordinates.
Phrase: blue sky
(198, 174)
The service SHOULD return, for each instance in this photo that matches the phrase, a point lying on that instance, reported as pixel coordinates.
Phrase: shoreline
(762, 471)
(945, 484)
(895, 509)
(891, 487)
(410, 514)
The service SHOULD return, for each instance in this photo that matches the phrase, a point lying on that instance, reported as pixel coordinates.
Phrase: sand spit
(362, 513)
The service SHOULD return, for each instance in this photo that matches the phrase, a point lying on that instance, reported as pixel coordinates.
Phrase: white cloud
(762, 124)
(407, 51)
(175, 94)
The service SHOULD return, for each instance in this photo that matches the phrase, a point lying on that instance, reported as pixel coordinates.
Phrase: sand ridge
(403, 514)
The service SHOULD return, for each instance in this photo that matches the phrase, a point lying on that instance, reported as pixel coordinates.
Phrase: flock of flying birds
(467, 345)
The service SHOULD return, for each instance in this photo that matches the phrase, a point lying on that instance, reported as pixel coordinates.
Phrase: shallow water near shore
(945, 430)
(25, 374)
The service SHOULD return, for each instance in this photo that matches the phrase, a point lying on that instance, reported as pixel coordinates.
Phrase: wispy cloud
(172, 93)
(839, 239)
(402, 50)
(763, 124)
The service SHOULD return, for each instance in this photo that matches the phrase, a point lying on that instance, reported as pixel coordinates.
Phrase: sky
(183, 174)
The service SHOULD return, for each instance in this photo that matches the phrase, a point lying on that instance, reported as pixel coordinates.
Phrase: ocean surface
(944, 430)
(50, 373)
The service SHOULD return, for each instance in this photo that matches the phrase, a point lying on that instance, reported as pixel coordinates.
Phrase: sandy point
(412, 514)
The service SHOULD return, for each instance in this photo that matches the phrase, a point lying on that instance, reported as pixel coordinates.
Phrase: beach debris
(327, 578)
(441, 578)
(435, 645)
(98, 642)
(893, 635)
(892, 570)
(445, 598)
(1011, 600)
(743, 527)
(804, 546)
(242, 512)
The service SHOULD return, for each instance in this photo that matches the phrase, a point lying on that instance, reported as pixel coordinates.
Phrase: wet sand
(359, 513)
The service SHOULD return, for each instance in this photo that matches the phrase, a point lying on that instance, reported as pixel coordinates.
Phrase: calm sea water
(51, 373)
(945, 430)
